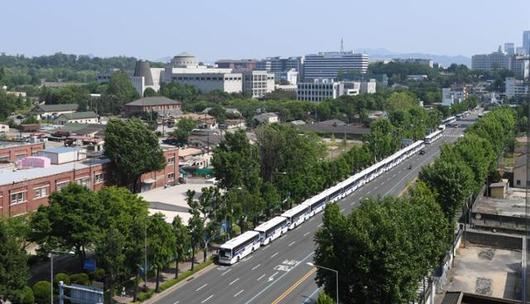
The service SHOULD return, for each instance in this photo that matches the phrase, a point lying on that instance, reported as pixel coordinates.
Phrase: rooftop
(335, 126)
(61, 149)
(153, 101)
(56, 107)
(513, 205)
(78, 115)
(11, 177)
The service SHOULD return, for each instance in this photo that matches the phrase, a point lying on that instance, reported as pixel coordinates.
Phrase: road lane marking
(291, 243)
(201, 287)
(222, 274)
(320, 225)
(256, 267)
(248, 258)
(274, 281)
(305, 234)
(369, 191)
(274, 255)
(295, 285)
(208, 298)
(310, 298)
(231, 283)
(310, 219)
(261, 277)
(177, 302)
(238, 293)
(271, 278)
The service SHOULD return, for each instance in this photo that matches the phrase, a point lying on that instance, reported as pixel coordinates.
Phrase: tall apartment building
(526, 42)
(486, 62)
(509, 48)
(258, 83)
(280, 67)
(329, 65)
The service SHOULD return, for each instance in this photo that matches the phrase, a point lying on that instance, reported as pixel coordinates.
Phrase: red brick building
(13, 151)
(162, 105)
(23, 191)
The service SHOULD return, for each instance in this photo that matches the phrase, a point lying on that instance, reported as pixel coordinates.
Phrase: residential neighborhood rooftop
(153, 101)
(56, 107)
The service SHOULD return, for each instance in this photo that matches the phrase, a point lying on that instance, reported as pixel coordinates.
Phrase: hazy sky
(216, 29)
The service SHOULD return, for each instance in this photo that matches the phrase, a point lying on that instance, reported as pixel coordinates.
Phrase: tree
(177, 91)
(149, 92)
(382, 140)
(184, 128)
(70, 221)
(41, 291)
(120, 91)
(133, 150)
(13, 265)
(323, 298)
(182, 242)
(161, 244)
(195, 224)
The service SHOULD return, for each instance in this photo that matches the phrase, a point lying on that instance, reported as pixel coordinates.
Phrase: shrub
(61, 276)
(27, 296)
(80, 278)
(97, 275)
(41, 292)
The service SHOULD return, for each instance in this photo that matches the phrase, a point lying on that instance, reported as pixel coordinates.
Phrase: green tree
(161, 244)
(184, 128)
(70, 221)
(13, 265)
(323, 298)
(195, 224)
(382, 140)
(182, 242)
(149, 92)
(133, 150)
(41, 292)
(120, 90)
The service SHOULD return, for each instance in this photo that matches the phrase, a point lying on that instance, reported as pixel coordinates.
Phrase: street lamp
(336, 273)
(50, 255)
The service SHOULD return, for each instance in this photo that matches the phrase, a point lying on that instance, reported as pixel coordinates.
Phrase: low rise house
(52, 111)
(204, 121)
(194, 158)
(159, 104)
(88, 117)
(266, 118)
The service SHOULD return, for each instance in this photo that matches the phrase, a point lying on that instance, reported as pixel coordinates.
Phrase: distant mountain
(444, 60)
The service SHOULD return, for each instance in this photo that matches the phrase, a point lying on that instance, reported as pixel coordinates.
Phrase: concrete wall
(499, 240)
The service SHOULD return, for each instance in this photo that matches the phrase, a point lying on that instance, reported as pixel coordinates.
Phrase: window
(40, 192)
(98, 178)
(171, 176)
(62, 184)
(171, 160)
(518, 182)
(83, 181)
(18, 197)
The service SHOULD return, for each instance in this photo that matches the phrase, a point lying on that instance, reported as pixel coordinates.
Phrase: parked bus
(271, 229)
(297, 215)
(449, 120)
(434, 136)
(239, 247)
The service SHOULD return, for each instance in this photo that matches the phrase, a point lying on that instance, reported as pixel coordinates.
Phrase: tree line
(386, 247)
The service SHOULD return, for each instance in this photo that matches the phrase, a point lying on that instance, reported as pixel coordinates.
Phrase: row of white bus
(239, 247)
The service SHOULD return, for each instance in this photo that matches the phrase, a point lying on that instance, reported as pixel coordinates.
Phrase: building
(526, 42)
(322, 89)
(194, 158)
(186, 69)
(266, 118)
(451, 96)
(204, 121)
(52, 111)
(509, 48)
(258, 83)
(146, 77)
(88, 117)
(159, 104)
(281, 67)
(24, 190)
(331, 65)
(516, 88)
(13, 151)
(240, 64)
(4, 129)
(520, 66)
(63, 155)
(417, 77)
(486, 62)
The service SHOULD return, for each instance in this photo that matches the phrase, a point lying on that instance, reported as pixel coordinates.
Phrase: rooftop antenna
(341, 45)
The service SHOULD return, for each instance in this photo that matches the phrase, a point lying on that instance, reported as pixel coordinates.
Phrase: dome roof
(184, 59)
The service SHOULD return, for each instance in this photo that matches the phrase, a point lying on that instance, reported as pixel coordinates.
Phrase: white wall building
(516, 88)
(450, 96)
(258, 83)
(330, 64)
(322, 89)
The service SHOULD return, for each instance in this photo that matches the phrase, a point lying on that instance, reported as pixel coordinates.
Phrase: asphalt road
(278, 273)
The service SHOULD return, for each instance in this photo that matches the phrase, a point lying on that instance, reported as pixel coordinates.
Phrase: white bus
(441, 127)
(297, 215)
(434, 136)
(271, 230)
(239, 247)
(449, 120)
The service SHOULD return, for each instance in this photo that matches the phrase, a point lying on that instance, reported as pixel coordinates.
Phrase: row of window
(18, 197)
(205, 78)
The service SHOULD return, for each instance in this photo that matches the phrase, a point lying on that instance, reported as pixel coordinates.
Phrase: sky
(216, 29)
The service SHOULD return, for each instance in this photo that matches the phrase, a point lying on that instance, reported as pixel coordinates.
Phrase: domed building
(184, 60)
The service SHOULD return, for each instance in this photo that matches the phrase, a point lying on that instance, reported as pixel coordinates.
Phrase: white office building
(329, 65)
(322, 89)
(450, 96)
(258, 83)
(516, 88)
(486, 62)
(280, 66)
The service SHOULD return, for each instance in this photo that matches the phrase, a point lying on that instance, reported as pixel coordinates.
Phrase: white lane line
(274, 255)
(368, 192)
(291, 243)
(256, 267)
(238, 293)
(201, 287)
(231, 283)
(320, 225)
(305, 234)
(222, 274)
(177, 302)
(271, 278)
(208, 298)
(310, 298)
(261, 277)
(247, 259)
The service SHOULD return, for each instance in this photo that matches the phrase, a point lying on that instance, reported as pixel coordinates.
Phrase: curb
(158, 296)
